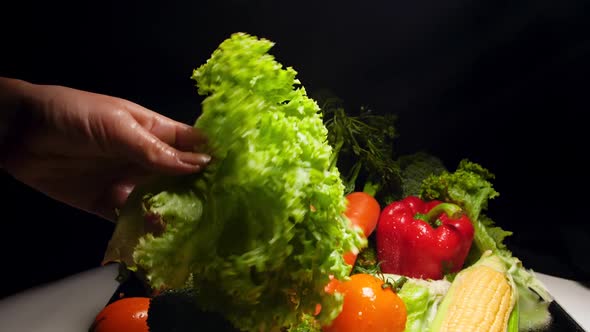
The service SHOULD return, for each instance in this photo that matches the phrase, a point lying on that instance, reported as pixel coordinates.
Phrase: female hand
(89, 150)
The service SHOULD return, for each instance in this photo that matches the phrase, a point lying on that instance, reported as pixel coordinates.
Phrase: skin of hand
(89, 150)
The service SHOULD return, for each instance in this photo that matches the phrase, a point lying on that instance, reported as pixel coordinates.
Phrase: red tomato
(363, 210)
(350, 258)
(368, 307)
(125, 315)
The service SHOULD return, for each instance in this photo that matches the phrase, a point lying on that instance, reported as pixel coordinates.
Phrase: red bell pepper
(423, 239)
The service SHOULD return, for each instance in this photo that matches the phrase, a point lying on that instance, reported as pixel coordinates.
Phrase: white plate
(70, 305)
(67, 305)
(571, 295)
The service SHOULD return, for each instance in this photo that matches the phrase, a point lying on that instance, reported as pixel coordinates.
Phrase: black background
(502, 83)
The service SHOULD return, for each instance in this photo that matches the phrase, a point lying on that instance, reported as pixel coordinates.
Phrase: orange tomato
(332, 286)
(125, 315)
(363, 210)
(368, 307)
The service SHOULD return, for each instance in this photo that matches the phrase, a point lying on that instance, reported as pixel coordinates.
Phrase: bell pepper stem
(452, 210)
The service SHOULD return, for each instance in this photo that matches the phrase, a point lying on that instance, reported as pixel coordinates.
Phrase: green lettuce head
(259, 232)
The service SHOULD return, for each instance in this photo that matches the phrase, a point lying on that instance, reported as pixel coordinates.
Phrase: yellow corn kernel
(481, 298)
(481, 303)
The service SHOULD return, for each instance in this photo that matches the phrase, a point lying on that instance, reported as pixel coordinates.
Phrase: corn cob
(481, 298)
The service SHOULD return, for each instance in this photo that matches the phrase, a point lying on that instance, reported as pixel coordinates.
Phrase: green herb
(363, 146)
(366, 261)
(364, 153)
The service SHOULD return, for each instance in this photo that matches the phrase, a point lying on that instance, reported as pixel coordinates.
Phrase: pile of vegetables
(305, 220)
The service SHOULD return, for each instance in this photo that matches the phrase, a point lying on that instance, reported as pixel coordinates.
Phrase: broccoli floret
(178, 311)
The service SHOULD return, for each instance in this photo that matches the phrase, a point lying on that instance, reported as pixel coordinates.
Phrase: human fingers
(177, 134)
(148, 150)
(116, 189)
(112, 200)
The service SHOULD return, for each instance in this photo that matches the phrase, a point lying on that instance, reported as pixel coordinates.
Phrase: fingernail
(205, 158)
(196, 159)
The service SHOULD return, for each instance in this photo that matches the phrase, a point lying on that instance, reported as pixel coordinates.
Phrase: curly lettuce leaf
(470, 187)
(258, 234)
(134, 222)
(308, 323)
